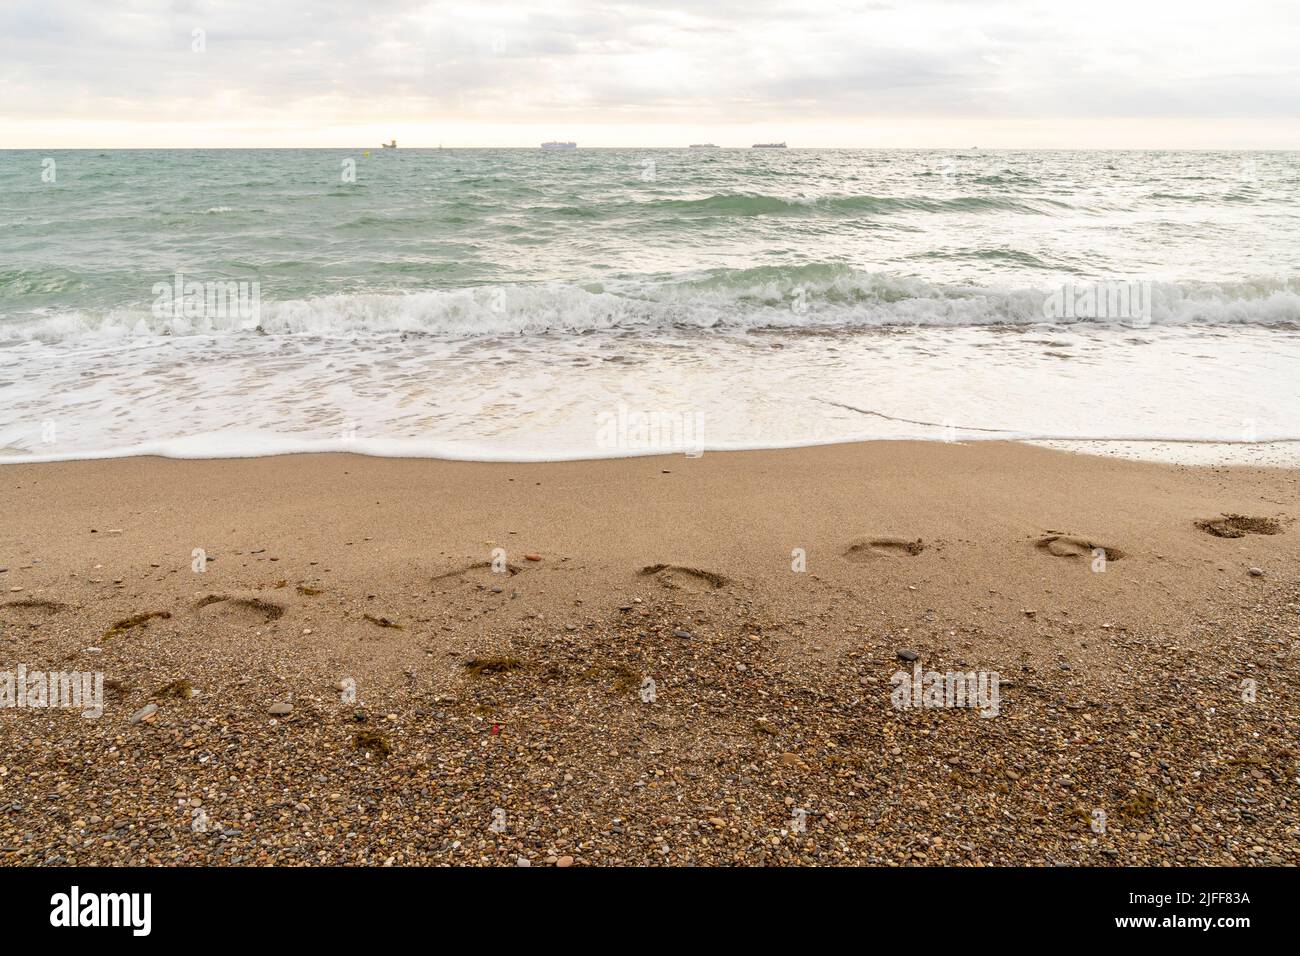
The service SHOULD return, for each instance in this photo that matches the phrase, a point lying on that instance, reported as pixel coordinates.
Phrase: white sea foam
(542, 397)
(827, 298)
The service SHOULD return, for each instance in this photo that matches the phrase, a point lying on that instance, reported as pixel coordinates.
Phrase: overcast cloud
(457, 67)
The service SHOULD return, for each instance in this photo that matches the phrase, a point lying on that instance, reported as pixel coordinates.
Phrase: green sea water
(428, 300)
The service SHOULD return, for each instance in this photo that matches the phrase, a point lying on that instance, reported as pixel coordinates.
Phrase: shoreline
(521, 689)
(1281, 453)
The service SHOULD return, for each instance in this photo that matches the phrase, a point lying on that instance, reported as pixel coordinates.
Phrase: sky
(1142, 74)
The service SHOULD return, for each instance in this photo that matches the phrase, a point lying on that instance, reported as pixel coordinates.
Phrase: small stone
(564, 861)
(280, 709)
(144, 714)
(1256, 572)
(532, 557)
(908, 655)
(681, 633)
(523, 861)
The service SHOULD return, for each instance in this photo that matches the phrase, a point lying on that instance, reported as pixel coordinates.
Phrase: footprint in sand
(1070, 546)
(675, 577)
(1238, 526)
(29, 611)
(241, 608)
(862, 551)
(35, 604)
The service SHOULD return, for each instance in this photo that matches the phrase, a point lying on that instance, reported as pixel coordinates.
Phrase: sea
(529, 304)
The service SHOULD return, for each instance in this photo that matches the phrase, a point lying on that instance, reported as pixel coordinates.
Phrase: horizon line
(882, 149)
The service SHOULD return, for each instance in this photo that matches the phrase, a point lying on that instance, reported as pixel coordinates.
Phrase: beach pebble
(908, 655)
(532, 557)
(1256, 572)
(564, 861)
(280, 709)
(681, 633)
(523, 861)
(145, 713)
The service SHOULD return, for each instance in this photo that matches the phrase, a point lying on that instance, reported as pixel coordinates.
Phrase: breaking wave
(818, 297)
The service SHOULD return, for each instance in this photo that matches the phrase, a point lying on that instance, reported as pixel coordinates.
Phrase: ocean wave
(31, 282)
(746, 204)
(824, 296)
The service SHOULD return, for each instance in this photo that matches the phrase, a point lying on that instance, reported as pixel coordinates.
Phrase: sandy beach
(325, 659)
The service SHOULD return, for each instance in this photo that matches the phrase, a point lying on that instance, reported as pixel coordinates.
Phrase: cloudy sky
(1014, 73)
